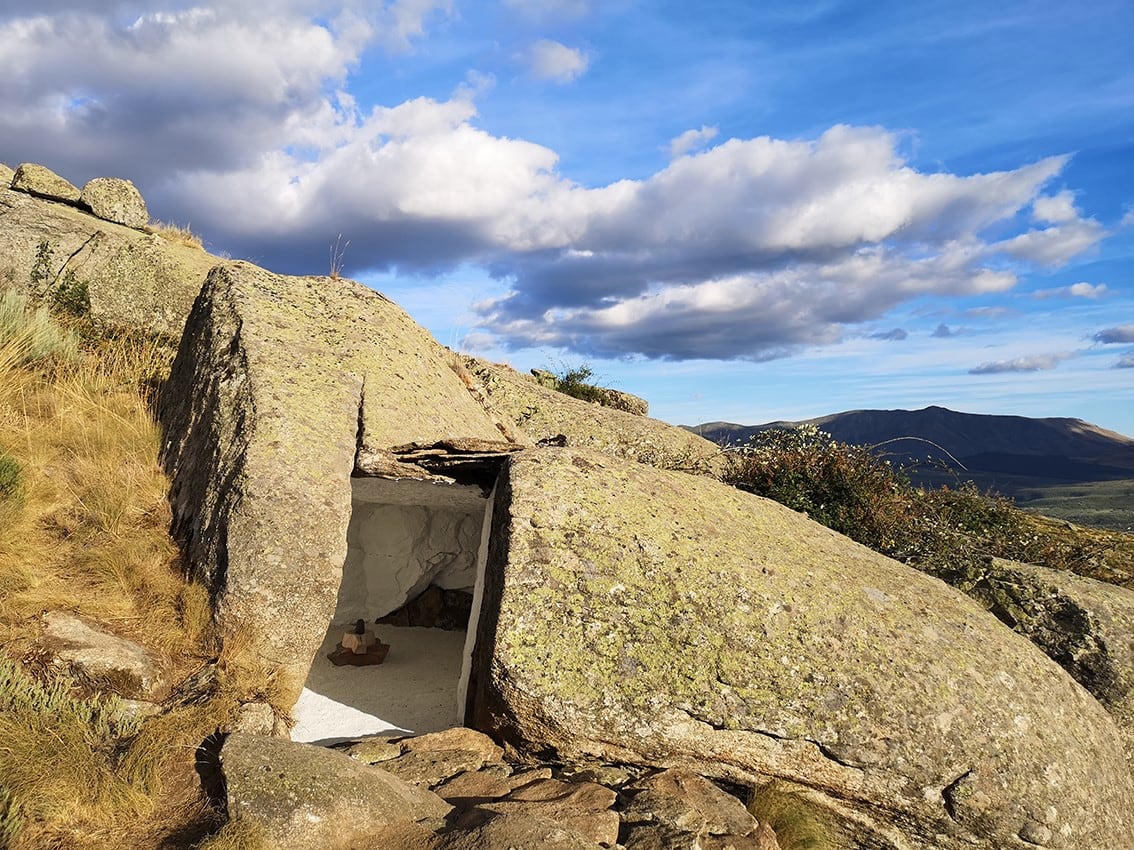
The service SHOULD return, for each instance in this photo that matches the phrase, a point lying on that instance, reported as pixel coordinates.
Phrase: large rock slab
(1085, 626)
(539, 413)
(278, 384)
(643, 616)
(132, 278)
(6, 175)
(302, 796)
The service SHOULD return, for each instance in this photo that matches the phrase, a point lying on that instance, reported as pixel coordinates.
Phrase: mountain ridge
(1007, 452)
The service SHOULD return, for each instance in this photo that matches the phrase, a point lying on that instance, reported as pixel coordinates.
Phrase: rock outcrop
(44, 183)
(641, 616)
(1085, 626)
(540, 413)
(100, 660)
(129, 277)
(298, 795)
(279, 385)
(117, 200)
(492, 804)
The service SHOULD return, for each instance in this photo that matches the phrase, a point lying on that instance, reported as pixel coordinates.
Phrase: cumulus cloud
(1121, 334)
(1055, 245)
(691, 140)
(943, 331)
(1033, 363)
(752, 248)
(1082, 289)
(550, 60)
(1125, 362)
(1055, 209)
(214, 86)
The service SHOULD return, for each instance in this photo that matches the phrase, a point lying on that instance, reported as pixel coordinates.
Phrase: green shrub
(59, 750)
(945, 532)
(105, 721)
(61, 290)
(71, 296)
(575, 382)
(844, 487)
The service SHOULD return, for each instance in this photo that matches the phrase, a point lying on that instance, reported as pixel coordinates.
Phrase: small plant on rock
(575, 381)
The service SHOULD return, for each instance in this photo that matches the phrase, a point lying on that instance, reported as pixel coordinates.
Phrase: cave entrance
(415, 555)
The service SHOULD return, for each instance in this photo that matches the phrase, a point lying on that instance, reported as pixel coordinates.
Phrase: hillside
(1057, 460)
(320, 459)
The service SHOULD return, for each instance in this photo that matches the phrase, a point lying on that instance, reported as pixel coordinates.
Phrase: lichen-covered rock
(116, 200)
(619, 400)
(278, 383)
(519, 831)
(302, 796)
(583, 807)
(682, 800)
(644, 616)
(1085, 626)
(539, 412)
(131, 278)
(6, 175)
(100, 659)
(44, 183)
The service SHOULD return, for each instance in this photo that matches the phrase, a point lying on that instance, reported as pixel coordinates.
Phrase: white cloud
(1032, 363)
(550, 60)
(1082, 289)
(1055, 209)
(1055, 245)
(691, 140)
(751, 248)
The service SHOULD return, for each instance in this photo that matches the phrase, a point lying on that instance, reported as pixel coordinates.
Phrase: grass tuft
(176, 233)
(28, 334)
(798, 823)
(237, 834)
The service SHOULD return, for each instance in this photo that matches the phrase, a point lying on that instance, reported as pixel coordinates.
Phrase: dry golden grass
(176, 233)
(88, 533)
(91, 536)
(237, 834)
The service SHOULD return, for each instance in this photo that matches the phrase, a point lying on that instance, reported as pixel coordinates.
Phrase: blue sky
(740, 211)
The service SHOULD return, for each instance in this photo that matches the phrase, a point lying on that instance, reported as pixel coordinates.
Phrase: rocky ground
(454, 790)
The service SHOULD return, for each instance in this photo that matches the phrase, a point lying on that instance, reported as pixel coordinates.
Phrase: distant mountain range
(1005, 453)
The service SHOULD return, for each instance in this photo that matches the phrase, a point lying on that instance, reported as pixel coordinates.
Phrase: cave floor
(413, 690)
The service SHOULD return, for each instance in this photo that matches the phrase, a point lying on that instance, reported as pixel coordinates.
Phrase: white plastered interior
(403, 536)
